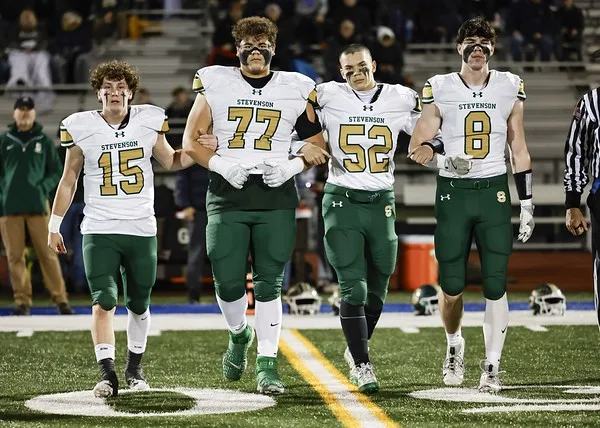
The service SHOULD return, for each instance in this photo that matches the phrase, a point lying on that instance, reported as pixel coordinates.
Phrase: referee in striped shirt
(582, 158)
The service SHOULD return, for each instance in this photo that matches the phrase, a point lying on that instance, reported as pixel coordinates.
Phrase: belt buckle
(477, 184)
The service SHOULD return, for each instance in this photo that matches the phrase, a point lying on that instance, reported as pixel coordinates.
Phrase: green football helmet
(547, 299)
(425, 299)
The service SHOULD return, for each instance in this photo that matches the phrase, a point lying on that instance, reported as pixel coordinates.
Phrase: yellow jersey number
(108, 188)
(245, 115)
(478, 127)
(368, 157)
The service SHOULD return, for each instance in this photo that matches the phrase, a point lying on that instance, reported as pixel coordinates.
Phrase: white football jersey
(474, 122)
(363, 136)
(253, 125)
(118, 178)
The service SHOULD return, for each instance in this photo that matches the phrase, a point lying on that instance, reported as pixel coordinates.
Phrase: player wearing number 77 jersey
(478, 111)
(114, 147)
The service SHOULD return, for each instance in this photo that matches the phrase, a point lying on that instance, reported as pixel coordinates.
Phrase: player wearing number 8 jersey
(114, 147)
(478, 111)
(251, 198)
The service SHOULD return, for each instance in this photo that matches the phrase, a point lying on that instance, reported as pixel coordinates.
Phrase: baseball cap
(26, 102)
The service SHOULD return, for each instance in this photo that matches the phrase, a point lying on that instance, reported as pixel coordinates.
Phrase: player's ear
(98, 96)
(492, 47)
(459, 48)
(374, 65)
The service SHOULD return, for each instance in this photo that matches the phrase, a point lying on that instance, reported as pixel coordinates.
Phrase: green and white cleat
(235, 359)
(367, 382)
(350, 361)
(267, 376)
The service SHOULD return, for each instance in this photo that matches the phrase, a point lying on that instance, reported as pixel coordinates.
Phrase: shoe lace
(365, 370)
(454, 364)
(487, 367)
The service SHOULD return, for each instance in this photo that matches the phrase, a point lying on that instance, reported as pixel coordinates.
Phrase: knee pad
(354, 292)
(107, 298)
(230, 291)
(375, 300)
(138, 304)
(267, 289)
(452, 285)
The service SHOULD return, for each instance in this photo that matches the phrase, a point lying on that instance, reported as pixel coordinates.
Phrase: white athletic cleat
(138, 385)
(454, 364)
(103, 389)
(350, 361)
(489, 381)
(366, 380)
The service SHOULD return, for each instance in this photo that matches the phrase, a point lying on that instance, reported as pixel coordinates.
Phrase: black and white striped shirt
(582, 148)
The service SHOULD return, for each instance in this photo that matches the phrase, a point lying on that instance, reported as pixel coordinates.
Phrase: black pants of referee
(593, 201)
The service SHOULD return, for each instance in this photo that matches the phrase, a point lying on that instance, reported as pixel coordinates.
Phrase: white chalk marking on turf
(536, 408)
(28, 332)
(351, 401)
(208, 401)
(154, 333)
(535, 327)
(409, 329)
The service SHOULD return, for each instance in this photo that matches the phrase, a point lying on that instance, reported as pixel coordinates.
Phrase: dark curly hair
(115, 70)
(476, 27)
(254, 26)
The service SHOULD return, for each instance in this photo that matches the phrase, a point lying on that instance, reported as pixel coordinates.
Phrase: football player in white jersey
(251, 198)
(114, 147)
(478, 111)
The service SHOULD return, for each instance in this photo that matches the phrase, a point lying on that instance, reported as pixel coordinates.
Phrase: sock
(235, 313)
(454, 338)
(354, 325)
(373, 310)
(104, 350)
(268, 326)
(137, 331)
(495, 325)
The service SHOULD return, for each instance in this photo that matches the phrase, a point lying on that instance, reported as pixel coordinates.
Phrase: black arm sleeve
(305, 128)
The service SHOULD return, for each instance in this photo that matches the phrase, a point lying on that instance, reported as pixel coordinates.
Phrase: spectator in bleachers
(111, 20)
(345, 36)
(178, 109)
(398, 15)
(310, 17)
(570, 22)
(533, 30)
(283, 58)
(29, 60)
(388, 54)
(73, 47)
(142, 96)
(358, 14)
(427, 27)
(223, 50)
(191, 185)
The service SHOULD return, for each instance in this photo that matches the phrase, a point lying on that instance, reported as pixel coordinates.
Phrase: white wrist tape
(297, 165)
(54, 223)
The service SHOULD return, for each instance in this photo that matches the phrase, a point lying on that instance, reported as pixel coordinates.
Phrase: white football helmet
(303, 299)
(547, 299)
(335, 300)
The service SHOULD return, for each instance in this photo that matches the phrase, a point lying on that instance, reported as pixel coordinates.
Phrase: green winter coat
(29, 171)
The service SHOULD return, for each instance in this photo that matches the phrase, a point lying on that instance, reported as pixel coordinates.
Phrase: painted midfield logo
(119, 134)
(365, 108)
(335, 204)
(445, 197)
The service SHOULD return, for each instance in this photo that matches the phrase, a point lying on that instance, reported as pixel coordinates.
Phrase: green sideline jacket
(29, 170)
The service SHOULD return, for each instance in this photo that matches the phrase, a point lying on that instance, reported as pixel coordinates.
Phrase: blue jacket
(191, 185)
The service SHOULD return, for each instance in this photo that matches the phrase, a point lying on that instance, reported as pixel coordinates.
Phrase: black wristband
(572, 200)
(436, 145)
(523, 183)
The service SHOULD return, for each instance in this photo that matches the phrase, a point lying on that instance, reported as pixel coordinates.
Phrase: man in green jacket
(29, 170)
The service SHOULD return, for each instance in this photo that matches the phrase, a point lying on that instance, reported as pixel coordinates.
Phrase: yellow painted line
(377, 411)
(339, 411)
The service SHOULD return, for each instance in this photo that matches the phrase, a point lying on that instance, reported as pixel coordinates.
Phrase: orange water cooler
(419, 265)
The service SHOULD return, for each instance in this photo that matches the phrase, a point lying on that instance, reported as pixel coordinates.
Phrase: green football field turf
(56, 362)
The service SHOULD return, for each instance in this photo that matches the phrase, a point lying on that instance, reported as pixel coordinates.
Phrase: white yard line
(535, 327)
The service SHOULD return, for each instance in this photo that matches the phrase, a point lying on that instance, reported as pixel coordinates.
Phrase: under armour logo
(256, 91)
(119, 134)
(445, 197)
(365, 108)
(335, 204)
(477, 94)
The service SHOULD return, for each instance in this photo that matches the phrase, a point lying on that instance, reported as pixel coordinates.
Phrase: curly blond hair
(254, 26)
(115, 70)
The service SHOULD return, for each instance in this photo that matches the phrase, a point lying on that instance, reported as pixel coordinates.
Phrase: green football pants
(269, 236)
(360, 242)
(479, 208)
(135, 256)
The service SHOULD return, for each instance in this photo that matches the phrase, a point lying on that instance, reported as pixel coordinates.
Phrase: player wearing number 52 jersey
(251, 197)
(114, 147)
(479, 111)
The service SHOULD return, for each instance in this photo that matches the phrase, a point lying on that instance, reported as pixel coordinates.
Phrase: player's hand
(314, 155)
(188, 213)
(56, 243)
(235, 173)
(460, 164)
(421, 154)
(279, 172)
(209, 141)
(575, 221)
(527, 224)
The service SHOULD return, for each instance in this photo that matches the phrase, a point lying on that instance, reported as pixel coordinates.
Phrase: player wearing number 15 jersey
(478, 111)
(251, 197)
(113, 147)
